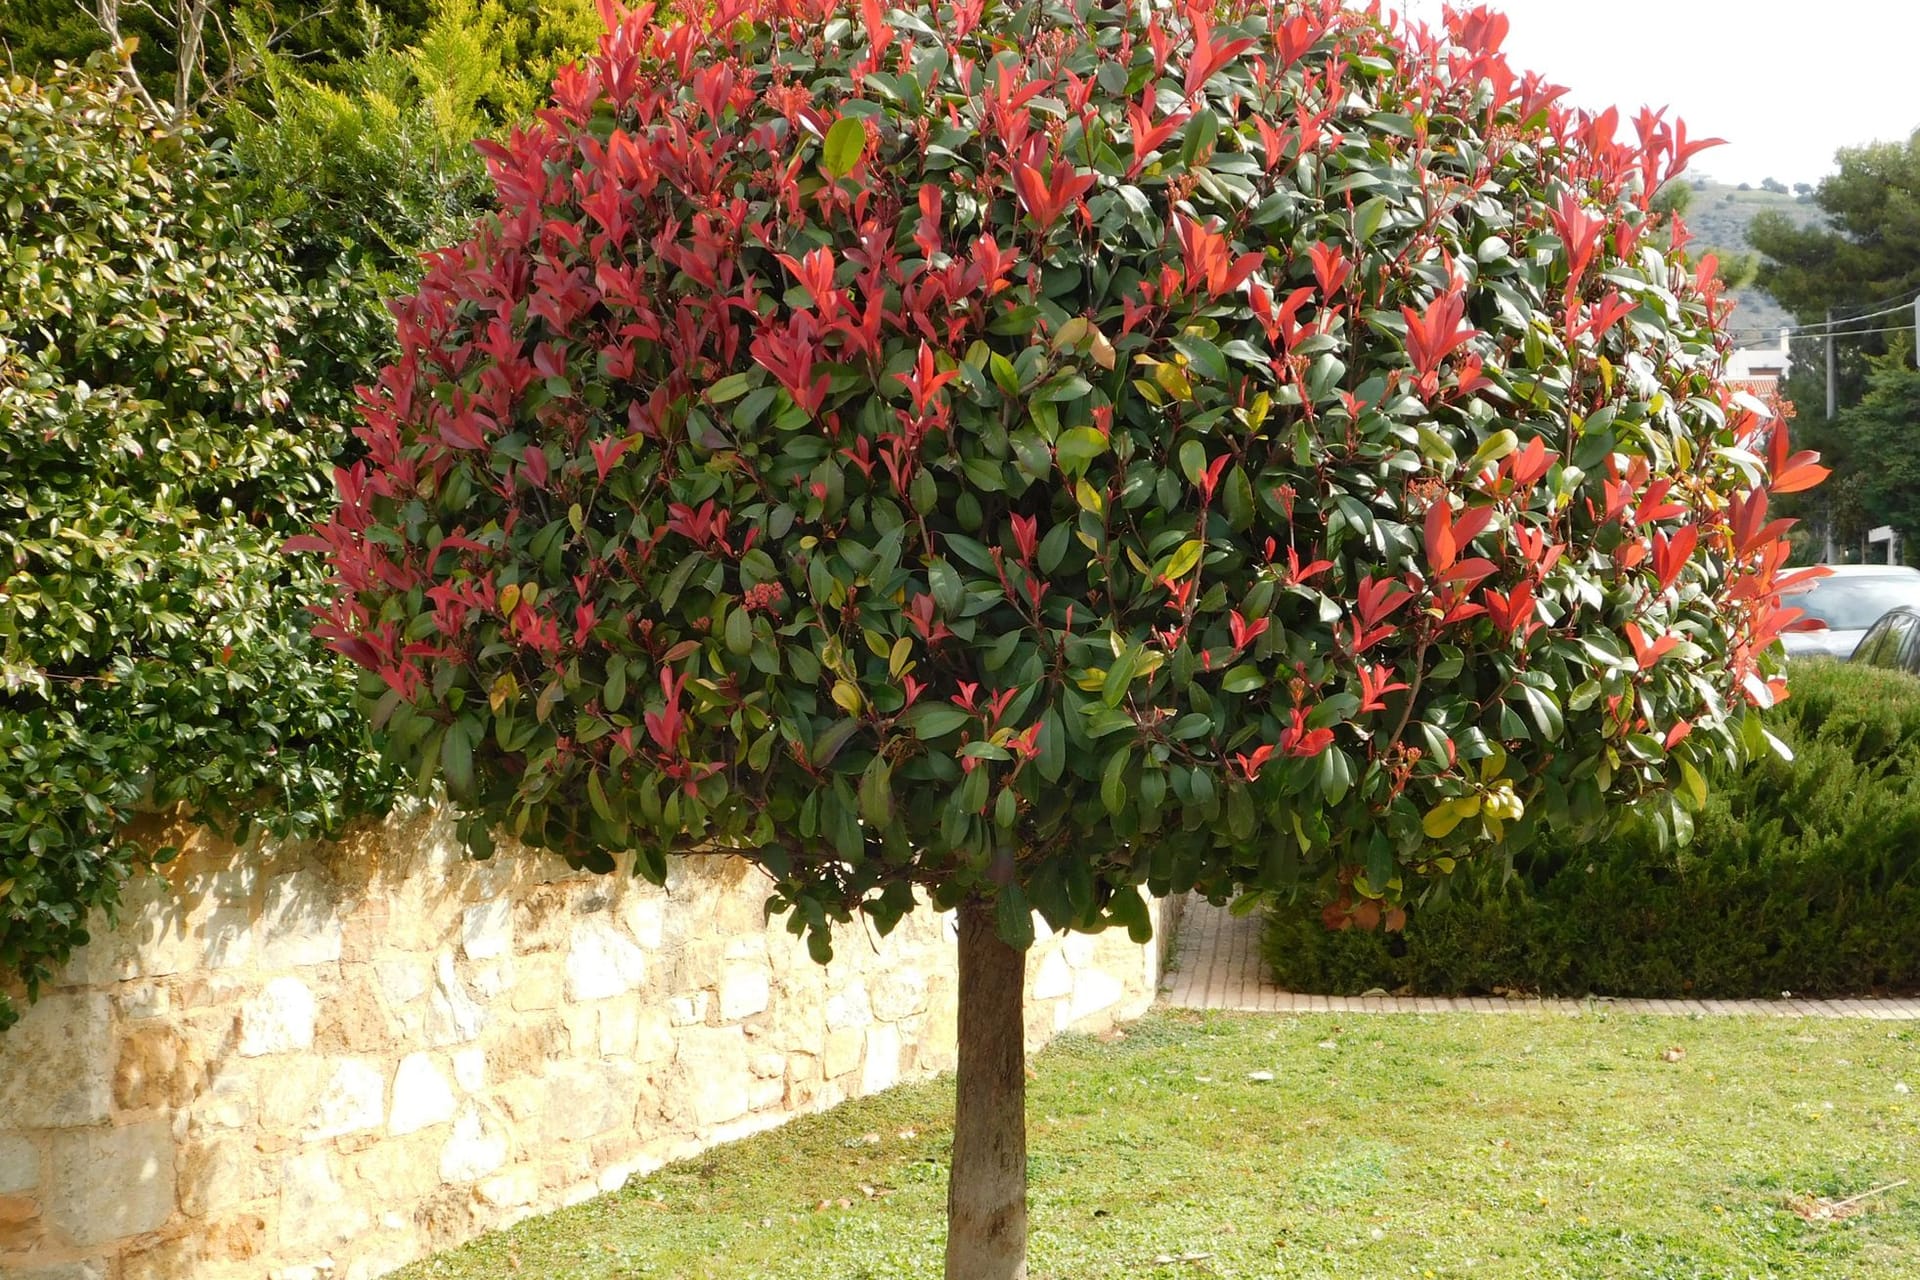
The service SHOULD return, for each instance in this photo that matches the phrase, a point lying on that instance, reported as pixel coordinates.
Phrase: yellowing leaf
(505, 689)
(1448, 814)
(1102, 350)
(1183, 561)
(1173, 380)
(847, 698)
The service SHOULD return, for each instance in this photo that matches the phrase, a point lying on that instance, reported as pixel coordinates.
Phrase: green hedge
(1802, 876)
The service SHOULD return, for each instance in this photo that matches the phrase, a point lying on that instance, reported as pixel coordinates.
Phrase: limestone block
(744, 990)
(538, 982)
(653, 1035)
(470, 1068)
(486, 930)
(899, 991)
(493, 978)
(585, 1099)
(162, 1260)
(849, 1008)
(843, 1051)
(1081, 949)
(91, 1269)
(766, 1095)
(154, 926)
(401, 979)
(880, 1069)
(509, 1190)
(54, 1064)
(21, 1227)
(226, 1103)
(602, 963)
(315, 1210)
(688, 1009)
(289, 1095)
(477, 1147)
(300, 921)
(541, 921)
(583, 1028)
(453, 1016)
(644, 912)
(711, 1073)
(421, 1095)
(352, 1100)
(1053, 979)
(227, 938)
(353, 1019)
(1095, 991)
(107, 1183)
(619, 1027)
(137, 1000)
(218, 1175)
(19, 1164)
(767, 1065)
(158, 1067)
(240, 1238)
(400, 1170)
(277, 1020)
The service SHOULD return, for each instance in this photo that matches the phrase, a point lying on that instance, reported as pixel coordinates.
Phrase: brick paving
(1218, 967)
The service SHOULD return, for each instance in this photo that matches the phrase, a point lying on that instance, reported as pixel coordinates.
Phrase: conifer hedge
(1803, 876)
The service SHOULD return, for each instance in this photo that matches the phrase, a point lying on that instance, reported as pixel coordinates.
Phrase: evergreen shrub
(1803, 876)
(154, 646)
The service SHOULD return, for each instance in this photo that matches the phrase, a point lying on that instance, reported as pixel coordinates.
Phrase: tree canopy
(1864, 260)
(1141, 456)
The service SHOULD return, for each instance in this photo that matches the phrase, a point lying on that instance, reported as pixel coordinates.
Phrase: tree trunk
(987, 1187)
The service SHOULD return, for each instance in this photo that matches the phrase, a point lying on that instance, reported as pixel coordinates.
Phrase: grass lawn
(1461, 1145)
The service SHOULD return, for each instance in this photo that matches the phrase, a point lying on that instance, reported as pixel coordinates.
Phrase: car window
(1856, 603)
(1884, 643)
(1907, 656)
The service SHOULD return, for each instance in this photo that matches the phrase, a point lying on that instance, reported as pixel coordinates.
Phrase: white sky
(1785, 82)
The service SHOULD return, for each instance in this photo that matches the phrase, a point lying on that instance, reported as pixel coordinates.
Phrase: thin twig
(1839, 1204)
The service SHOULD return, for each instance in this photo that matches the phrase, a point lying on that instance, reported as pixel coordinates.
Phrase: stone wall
(311, 1061)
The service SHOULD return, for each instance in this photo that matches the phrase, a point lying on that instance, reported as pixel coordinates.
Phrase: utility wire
(1835, 327)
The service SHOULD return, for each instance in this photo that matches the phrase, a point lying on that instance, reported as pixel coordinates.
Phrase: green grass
(1526, 1145)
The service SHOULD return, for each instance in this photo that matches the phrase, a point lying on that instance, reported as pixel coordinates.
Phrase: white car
(1838, 609)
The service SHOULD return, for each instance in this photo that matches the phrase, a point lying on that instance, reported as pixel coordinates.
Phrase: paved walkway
(1218, 967)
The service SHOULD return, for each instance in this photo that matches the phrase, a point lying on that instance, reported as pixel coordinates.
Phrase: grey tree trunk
(987, 1186)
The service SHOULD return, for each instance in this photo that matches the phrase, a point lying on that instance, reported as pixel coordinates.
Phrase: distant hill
(1718, 215)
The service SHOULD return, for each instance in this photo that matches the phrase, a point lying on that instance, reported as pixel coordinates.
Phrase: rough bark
(987, 1187)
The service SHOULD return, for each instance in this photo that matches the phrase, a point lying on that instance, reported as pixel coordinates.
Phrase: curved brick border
(1219, 968)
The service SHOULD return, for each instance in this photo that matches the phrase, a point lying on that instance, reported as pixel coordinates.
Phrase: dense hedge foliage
(363, 164)
(1037, 450)
(1803, 876)
(153, 643)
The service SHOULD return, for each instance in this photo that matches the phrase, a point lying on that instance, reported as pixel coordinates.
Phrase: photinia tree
(1016, 455)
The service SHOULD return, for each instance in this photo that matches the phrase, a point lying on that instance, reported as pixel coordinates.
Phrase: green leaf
(1120, 675)
(876, 793)
(1193, 461)
(1244, 678)
(935, 719)
(845, 142)
(1078, 446)
(1013, 918)
(944, 582)
(731, 387)
(1183, 561)
(739, 632)
(1113, 780)
(456, 761)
